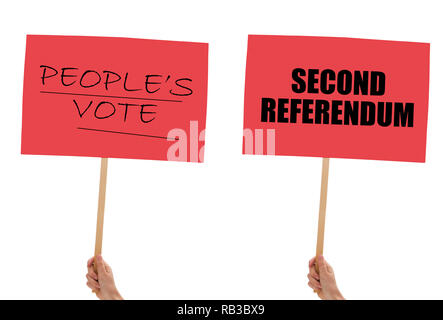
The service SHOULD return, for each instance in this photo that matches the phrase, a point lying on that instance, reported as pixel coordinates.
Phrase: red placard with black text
(113, 97)
(337, 97)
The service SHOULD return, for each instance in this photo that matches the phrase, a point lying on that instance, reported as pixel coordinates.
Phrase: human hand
(324, 283)
(102, 282)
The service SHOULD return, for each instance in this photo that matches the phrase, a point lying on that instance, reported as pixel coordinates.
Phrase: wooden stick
(322, 211)
(101, 210)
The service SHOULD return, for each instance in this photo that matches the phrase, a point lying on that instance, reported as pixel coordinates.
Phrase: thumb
(101, 269)
(322, 265)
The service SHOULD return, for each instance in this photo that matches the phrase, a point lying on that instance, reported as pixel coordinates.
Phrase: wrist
(338, 296)
(111, 295)
(117, 296)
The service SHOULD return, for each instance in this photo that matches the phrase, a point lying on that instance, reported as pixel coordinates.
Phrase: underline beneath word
(107, 96)
(128, 133)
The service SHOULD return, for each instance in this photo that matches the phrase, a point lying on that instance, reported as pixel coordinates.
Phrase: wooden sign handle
(101, 210)
(322, 211)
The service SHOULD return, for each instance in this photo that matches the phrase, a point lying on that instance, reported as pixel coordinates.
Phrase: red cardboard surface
(112, 97)
(400, 71)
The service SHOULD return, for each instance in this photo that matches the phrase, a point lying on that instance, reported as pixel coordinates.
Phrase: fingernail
(99, 258)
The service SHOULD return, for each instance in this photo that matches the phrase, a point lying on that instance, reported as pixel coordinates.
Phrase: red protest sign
(337, 97)
(114, 97)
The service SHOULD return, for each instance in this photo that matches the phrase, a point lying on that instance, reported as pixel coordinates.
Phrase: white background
(235, 227)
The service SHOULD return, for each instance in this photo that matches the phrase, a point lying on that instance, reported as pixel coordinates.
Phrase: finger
(311, 286)
(311, 262)
(90, 286)
(93, 286)
(93, 282)
(314, 273)
(91, 270)
(90, 262)
(92, 273)
(314, 282)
